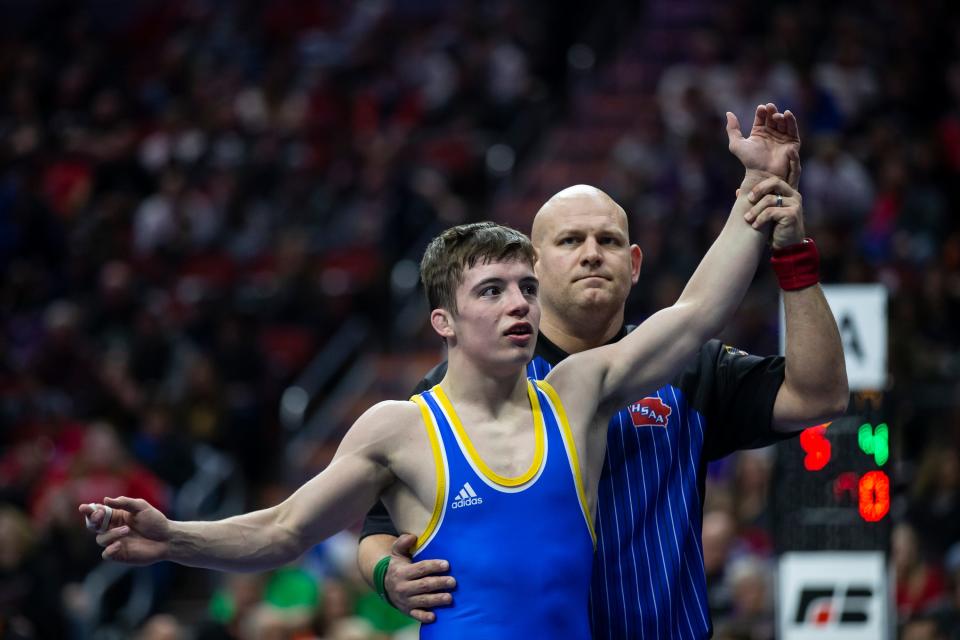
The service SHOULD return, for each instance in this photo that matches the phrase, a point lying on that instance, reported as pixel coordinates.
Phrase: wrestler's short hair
(460, 248)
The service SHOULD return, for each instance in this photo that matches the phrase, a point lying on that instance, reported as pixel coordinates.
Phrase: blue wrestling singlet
(521, 548)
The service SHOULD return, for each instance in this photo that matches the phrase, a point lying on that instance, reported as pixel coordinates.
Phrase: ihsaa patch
(650, 412)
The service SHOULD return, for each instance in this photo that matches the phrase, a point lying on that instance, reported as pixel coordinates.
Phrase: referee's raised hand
(131, 530)
(777, 202)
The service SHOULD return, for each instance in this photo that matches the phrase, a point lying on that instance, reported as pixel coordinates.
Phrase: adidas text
(466, 502)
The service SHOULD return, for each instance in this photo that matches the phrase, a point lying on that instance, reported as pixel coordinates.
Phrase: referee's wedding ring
(779, 200)
(105, 523)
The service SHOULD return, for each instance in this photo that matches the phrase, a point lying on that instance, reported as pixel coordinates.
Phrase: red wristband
(797, 266)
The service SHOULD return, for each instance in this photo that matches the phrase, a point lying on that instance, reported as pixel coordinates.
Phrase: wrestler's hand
(414, 587)
(136, 533)
(774, 137)
(787, 217)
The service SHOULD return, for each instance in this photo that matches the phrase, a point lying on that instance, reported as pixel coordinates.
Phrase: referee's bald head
(582, 198)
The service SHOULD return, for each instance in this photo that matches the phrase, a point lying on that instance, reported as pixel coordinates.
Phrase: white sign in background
(861, 314)
(832, 595)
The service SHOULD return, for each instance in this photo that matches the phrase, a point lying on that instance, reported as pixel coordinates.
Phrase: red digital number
(814, 442)
(874, 496)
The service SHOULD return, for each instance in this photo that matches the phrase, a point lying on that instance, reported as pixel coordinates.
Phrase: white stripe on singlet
(663, 556)
(633, 519)
(646, 546)
(692, 476)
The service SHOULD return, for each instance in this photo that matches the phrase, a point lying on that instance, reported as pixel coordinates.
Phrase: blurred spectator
(751, 486)
(750, 581)
(691, 91)
(920, 585)
(836, 186)
(162, 627)
(102, 467)
(161, 447)
(29, 581)
(846, 74)
(935, 501)
(949, 615)
(719, 531)
(923, 628)
(231, 604)
(201, 402)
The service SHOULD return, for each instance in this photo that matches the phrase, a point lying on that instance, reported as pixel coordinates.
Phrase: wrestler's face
(497, 315)
(584, 256)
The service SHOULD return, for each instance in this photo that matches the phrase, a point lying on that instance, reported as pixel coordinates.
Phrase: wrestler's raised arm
(652, 354)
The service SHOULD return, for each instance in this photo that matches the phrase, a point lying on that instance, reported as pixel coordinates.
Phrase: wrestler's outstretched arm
(332, 500)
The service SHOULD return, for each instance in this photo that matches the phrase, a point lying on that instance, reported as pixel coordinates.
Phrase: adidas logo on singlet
(466, 498)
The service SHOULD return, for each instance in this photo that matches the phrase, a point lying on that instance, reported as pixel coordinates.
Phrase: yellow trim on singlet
(539, 428)
(440, 499)
(572, 449)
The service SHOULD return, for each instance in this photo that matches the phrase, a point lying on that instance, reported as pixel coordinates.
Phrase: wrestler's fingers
(97, 517)
(108, 538)
(760, 115)
(793, 130)
(133, 505)
(794, 170)
(113, 551)
(779, 123)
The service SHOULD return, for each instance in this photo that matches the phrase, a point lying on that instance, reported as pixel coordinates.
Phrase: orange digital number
(874, 496)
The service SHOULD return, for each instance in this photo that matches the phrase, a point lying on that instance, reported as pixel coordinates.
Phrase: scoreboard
(831, 488)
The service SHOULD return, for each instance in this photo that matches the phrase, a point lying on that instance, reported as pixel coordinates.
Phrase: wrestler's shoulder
(394, 415)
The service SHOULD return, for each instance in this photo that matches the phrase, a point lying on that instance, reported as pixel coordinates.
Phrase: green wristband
(379, 575)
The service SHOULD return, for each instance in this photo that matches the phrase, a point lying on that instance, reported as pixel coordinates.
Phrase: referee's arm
(814, 388)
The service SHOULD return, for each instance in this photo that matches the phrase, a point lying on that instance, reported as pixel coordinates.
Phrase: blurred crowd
(194, 195)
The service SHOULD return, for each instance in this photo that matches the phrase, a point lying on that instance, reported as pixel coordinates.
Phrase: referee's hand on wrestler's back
(137, 532)
(416, 587)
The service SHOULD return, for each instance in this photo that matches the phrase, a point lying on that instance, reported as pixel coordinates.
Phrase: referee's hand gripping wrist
(415, 588)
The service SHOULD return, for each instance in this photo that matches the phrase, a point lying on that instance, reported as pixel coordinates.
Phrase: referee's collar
(553, 354)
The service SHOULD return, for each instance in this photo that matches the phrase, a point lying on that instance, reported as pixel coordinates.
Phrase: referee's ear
(636, 259)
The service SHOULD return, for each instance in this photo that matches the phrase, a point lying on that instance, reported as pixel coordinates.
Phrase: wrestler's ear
(442, 322)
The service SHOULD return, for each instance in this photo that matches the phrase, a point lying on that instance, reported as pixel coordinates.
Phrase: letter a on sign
(848, 334)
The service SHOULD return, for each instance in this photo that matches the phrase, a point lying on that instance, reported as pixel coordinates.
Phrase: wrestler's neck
(578, 329)
(486, 389)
